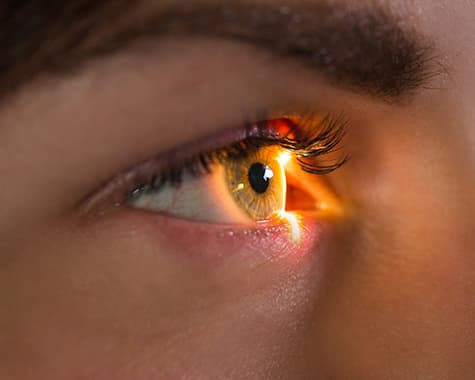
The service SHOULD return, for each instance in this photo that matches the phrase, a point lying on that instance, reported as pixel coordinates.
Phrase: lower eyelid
(259, 243)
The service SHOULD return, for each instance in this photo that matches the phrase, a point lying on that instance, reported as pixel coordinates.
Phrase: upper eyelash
(316, 139)
(306, 137)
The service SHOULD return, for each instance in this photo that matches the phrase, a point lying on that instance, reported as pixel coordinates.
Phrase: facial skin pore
(383, 292)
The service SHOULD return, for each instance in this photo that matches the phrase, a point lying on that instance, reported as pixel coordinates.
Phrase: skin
(385, 291)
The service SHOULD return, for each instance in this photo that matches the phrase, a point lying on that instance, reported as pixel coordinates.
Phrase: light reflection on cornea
(291, 219)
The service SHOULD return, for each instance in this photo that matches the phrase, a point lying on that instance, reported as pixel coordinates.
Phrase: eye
(249, 186)
(248, 180)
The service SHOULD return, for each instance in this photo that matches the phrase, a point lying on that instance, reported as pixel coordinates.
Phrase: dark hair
(33, 32)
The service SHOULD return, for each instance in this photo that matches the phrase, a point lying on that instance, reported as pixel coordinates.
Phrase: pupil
(259, 177)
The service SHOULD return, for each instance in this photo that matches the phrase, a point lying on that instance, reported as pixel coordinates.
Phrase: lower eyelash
(308, 137)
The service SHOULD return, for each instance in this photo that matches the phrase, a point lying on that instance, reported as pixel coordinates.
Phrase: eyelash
(308, 137)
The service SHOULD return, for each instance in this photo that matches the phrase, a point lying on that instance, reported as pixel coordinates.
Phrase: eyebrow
(367, 50)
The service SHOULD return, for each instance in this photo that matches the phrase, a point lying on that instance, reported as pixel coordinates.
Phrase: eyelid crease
(308, 136)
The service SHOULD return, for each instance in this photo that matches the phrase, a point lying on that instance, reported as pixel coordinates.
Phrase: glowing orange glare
(283, 127)
(294, 224)
(284, 158)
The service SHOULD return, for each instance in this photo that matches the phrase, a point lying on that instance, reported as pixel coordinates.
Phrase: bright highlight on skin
(294, 224)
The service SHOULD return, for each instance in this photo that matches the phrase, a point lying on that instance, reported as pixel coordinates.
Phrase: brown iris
(257, 183)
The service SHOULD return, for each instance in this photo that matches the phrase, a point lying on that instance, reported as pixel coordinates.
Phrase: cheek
(116, 302)
(402, 299)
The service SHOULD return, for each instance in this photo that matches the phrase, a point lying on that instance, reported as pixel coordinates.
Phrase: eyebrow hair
(365, 49)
